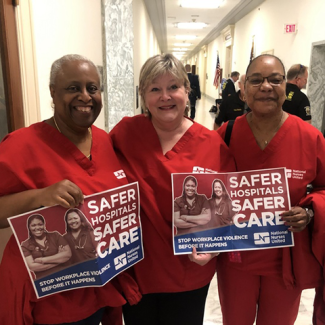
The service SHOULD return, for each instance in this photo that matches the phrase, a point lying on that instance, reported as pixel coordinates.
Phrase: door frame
(10, 66)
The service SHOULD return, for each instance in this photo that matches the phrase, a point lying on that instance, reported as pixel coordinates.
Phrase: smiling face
(76, 95)
(217, 188)
(36, 228)
(166, 100)
(74, 221)
(190, 188)
(265, 99)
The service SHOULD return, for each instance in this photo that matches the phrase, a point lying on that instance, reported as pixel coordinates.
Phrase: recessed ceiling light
(180, 49)
(191, 25)
(185, 37)
(183, 44)
(202, 4)
(178, 53)
(178, 56)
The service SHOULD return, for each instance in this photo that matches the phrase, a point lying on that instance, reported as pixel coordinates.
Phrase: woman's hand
(64, 193)
(201, 258)
(296, 218)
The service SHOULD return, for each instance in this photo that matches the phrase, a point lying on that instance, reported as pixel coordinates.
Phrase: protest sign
(65, 249)
(224, 212)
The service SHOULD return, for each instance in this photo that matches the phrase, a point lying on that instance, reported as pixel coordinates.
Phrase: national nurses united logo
(202, 170)
(119, 174)
(261, 238)
(120, 261)
(289, 173)
(198, 170)
(295, 174)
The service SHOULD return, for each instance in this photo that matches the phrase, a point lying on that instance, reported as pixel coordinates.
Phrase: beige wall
(145, 42)
(53, 39)
(77, 29)
(64, 27)
(267, 24)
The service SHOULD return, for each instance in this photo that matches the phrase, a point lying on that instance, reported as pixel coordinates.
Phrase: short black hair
(270, 55)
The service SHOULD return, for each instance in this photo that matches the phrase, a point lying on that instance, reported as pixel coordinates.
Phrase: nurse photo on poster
(191, 210)
(80, 236)
(221, 206)
(45, 252)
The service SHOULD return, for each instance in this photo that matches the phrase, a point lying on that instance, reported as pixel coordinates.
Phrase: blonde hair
(157, 66)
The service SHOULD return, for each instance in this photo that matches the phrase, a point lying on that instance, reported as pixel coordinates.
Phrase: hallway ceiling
(165, 13)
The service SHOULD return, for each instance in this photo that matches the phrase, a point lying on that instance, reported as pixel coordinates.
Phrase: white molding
(28, 66)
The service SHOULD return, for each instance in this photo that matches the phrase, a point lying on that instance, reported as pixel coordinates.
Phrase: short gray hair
(295, 71)
(157, 66)
(56, 67)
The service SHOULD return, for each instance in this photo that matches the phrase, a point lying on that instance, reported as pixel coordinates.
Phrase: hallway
(213, 311)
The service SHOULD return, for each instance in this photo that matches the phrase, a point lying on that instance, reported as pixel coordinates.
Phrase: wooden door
(11, 103)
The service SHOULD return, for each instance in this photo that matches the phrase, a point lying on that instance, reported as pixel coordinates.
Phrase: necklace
(89, 131)
(266, 142)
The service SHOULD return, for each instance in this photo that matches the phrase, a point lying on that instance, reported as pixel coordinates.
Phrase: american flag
(217, 73)
(251, 58)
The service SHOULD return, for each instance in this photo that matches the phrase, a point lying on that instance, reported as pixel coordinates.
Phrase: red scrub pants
(244, 297)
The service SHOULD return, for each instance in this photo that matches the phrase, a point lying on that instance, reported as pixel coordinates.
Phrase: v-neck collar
(63, 146)
(183, 141)
(275, 141)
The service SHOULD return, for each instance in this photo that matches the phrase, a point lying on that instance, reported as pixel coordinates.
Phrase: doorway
(228, 62)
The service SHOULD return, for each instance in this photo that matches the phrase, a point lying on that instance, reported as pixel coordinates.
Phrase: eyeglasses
(301, 66)
(273, 80)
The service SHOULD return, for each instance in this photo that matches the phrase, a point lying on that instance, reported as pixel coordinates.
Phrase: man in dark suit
(233, 106)
(228, 87)
(195, 92)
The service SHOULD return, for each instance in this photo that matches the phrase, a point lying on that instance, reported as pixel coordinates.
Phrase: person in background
(228, 88)
(80, 236)
(266, 285)
(161, 142)
(58, 161)
(233, 106)
(195, 92)
(191, 210)
(45, 252)
(297, 103)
